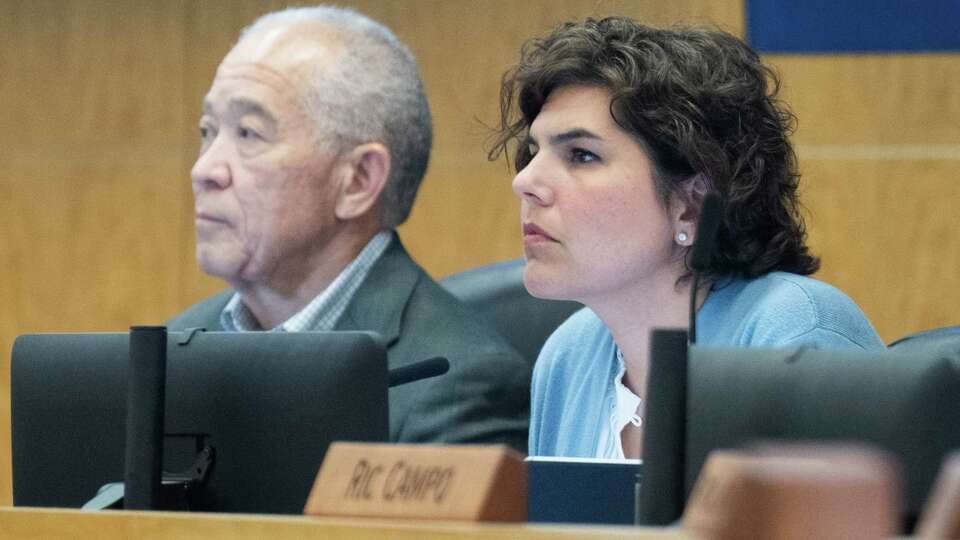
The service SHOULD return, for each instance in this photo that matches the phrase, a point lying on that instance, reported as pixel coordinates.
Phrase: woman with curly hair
(619, 132)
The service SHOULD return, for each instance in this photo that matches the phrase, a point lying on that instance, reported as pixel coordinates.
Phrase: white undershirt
(623, 410)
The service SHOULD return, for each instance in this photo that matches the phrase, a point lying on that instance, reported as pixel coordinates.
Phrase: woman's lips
(533, 234)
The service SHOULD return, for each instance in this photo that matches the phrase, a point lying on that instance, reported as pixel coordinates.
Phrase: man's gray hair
(373, 94)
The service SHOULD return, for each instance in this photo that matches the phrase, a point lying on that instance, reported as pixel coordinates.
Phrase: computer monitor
(907, 404)
(268, 403)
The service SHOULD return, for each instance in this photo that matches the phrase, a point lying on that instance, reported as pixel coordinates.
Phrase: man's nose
(212, 168)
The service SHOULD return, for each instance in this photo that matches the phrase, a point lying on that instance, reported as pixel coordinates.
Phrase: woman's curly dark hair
(699, 101)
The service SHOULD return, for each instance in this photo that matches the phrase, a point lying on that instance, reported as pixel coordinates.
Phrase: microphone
(416, 371)
(711, 212)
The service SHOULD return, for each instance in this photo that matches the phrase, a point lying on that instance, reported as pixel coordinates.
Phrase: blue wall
(824, 26)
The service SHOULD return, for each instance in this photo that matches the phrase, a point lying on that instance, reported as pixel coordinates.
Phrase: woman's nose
(531, 183)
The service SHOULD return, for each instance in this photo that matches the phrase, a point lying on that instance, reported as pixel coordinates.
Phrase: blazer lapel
(205, 315)
(379, 303)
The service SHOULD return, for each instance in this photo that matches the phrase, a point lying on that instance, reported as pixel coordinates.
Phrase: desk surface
(47, 524)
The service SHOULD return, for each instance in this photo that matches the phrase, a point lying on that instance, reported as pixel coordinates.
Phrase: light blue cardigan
(573, 392)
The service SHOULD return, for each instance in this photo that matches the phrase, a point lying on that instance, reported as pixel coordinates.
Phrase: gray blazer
(484, 398)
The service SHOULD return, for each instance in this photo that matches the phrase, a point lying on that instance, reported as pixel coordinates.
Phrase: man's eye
(579, 155)
(207, 134)
(246, 133)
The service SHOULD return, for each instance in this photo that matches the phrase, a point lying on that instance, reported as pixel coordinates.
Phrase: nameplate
(462, 483)
(941, 516)
(794, 492)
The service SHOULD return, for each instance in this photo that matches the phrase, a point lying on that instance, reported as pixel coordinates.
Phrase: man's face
(263, 184)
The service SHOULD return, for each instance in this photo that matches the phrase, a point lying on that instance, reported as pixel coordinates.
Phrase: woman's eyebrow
(569, 135)
(560, 138)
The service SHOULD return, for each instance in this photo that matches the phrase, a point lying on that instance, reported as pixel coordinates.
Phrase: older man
(315, 136)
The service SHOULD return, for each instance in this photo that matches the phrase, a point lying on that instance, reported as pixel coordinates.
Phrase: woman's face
(593, 225)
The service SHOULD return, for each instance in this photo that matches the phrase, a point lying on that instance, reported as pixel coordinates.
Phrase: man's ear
(365, 170)
(686, 207)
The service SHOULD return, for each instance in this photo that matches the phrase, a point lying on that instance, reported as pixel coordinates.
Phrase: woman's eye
(525, 155)
(579, 155)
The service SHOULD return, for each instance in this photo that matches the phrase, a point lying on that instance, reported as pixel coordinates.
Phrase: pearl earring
(681, 237)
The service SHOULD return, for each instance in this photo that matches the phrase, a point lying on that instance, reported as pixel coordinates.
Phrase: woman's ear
(362, 179)
(686, 208)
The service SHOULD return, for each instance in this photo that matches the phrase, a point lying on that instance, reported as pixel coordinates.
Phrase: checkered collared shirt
(323, 312)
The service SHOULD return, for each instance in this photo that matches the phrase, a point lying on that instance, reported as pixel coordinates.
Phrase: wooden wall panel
(91, 170)
(879, 147)
(886, 233)
(848, 100)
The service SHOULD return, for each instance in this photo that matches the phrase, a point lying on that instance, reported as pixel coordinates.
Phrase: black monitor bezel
(271, 403)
